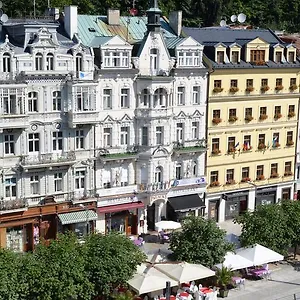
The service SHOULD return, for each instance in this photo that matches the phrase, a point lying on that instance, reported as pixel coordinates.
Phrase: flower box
(263, 117)
(293, 87)
(216, 151)
(288, 173)
(231, 181)
(290, 143)
(264, 88)
(279, 87)
(291, 114)
(276, 145)
(260, 177)
(246, 179)
(249, 89)
(233, 89)
(274, 175)
(231, 150)
(232, 119)
(217, 90)
(277, 116)
(248, 118)
(245, 148)
(215, 183)
(260, 63)
(216, 120)
(262, 147)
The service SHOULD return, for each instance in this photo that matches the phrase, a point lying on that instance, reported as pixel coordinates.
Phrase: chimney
(175, 21)
(113, 17)
(70, 20)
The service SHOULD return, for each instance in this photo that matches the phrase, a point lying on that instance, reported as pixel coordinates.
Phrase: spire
(153, 14)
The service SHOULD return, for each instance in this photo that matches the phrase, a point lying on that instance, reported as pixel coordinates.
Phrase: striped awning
(77, 217)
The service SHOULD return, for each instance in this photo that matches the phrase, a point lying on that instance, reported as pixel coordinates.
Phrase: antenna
(241, 18)
(223, 23)
(233, 18)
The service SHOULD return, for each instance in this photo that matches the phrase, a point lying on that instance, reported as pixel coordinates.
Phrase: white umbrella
(167, 225)
(158, 255)
(259, 254)
(185, 272)
(235, 262)
(148, 279)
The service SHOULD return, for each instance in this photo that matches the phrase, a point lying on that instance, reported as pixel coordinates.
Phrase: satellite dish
(241, 18)
(223, 23)
(4, 18)
(233, 18)
(1, 4)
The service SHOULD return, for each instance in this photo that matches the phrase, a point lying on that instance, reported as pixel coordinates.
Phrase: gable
(126, 118)
(197, 114)
(116, 41)
(181, 115)
(258, 41)
(108, 119)
(189, 41)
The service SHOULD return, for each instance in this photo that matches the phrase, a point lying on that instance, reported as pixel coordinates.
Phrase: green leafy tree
(267, 226)
(199, 241)
(110, 260)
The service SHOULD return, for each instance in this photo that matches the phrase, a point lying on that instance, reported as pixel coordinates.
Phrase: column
(251, 199)
(131, 173)
(222, 210)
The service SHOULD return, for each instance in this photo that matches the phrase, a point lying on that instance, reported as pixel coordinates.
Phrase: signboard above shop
(188, 181)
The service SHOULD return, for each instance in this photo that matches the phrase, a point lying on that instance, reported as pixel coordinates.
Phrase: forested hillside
(280, 14)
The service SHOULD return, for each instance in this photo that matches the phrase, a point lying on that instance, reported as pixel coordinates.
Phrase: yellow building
(253, 100)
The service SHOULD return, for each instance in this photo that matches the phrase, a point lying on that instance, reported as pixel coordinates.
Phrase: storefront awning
(77, 217)
(120, 207)
(186, 203)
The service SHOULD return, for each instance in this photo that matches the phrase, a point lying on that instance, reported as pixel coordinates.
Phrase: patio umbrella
(158, 255)
(148, 279)
(167, 225)
(235, 262)
(259, 254)
(184, 272)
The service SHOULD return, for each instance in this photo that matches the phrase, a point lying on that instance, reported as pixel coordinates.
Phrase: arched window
(6, 62)
(145, 97)
(50, 61)
(158, 175)
(78, 62)
(39, 61)
(160, 96)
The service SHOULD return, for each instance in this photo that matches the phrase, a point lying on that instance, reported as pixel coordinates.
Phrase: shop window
(180, 95)
(79, 139)
(6, 62)
(10, 187)
(9, 144)
(56, 100)
(107, 99)
(286, 194)
(107, 137)
(196, 94)
(125, 98)
(179, 132)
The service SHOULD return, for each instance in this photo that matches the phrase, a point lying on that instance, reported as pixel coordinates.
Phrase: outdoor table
(205, 290)
(259, 272)
(171, 298)
(184, 294)
(236, 280)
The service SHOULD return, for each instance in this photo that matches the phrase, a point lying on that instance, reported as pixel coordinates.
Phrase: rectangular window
(195, 130)
(291, 110)
(124, 138)
(286, 194)
(83, 99)
(107, 99)
(214, 176)
(196, 94)
(33, 102)
(58, 182)
(278, 56)
(159, 135)
(233, 83)
(56, 101)
(249, 83)
(275, 140)
(232, 112)
(6, 62)
(34, 185)
(9, 101)
(229, 176)
(278, 82)
(263, 111)
(34, 142)
(261, 140)
(293, 81)
(124, 98)
(277, 112)
(231, 144)
(247, 143)
(57, 141)
(216, 113)
(10, 187)
(118, 59)
(235, 57)
(274, 170)
(260, 171)
(79, 139)
(289, 138)
(179, 132)
(291, 57)
(257, 56)
(107, 137)
(188, 59)
(264, 82)
(80, 180)
(145, 136)
(180, 95)
(215, 143)
(178, 171)
(248, 114)
(217, 83)
(220, 57)
(246, 173)
(288, 167)
(9, 144)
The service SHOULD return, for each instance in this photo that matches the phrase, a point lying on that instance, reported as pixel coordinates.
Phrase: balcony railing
(190, 146)
(82, 117)
(15, 120)
(13, 204)
(153, 112)
(118, 154)
(154, 187)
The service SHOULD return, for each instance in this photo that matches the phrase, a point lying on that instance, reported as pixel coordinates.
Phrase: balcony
(159, 112)
(82, 117)
(13, 121)
(13, 205)
(117, 190)
(47, 160)
(105, 155)
(154, 187)
(83, 196)
(190, 147)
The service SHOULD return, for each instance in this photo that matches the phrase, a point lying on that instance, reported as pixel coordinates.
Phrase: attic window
(278, 57)
(220, 57)
(92, 29)
(291, 56)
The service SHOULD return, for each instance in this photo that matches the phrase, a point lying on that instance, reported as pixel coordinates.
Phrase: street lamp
(87, 218)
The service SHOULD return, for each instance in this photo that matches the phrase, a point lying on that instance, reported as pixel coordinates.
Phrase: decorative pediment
(160, 151)
(197, 114)
(43, 39)
(108, 119)
(189, 41)
(116, 41)
(181, 115)
(220, 45)
(278, 46)
(7, 46)
(258, 41)
(235, 45)
(291, 46)
(126, 118)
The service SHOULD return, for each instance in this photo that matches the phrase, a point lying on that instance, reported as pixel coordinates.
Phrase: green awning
(77, 217)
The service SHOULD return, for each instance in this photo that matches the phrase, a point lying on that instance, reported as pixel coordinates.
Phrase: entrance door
(151, 217)
(243, 204)
(213, 210)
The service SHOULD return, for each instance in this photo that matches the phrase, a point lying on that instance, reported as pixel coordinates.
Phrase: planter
(277, 116)
(215, 151)
(289, 173)
(277, 145)
(232, 119)
(229, 182)
(247, 149)
(233, 89)
(260, 177)
(216, 120)
(263, 117)
(249, 89)
(215, 184)
(223, 293)
(290, 143)
(248, 118)
(274, 175)
(279, 87)
(262, 147)
(293, 87)
(292, 114)
(264, 88)
(246, 179)
(217, 90)
(231, 150)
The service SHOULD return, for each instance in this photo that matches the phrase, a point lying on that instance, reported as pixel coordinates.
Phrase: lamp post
(87, 218)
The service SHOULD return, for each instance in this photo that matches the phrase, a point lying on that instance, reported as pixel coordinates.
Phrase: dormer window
(118, 59)
(78, 62)
(188, 59)
(257, 56)
(278, 56)
(235, 57)
(38, 62)
(291, 56)
(220, 57)
(50, 61)
(6, 62)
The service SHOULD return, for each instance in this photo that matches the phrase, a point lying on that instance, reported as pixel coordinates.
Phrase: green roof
(77, 217)
(132, 29)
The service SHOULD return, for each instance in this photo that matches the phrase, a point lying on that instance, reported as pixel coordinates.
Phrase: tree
(110, 260)
(200, 241)
(267, 226)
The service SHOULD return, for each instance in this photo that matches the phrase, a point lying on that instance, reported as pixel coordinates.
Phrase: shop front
(265, 196)
(235, 204)
(123, 218)
(213, 209)
(182, 206)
